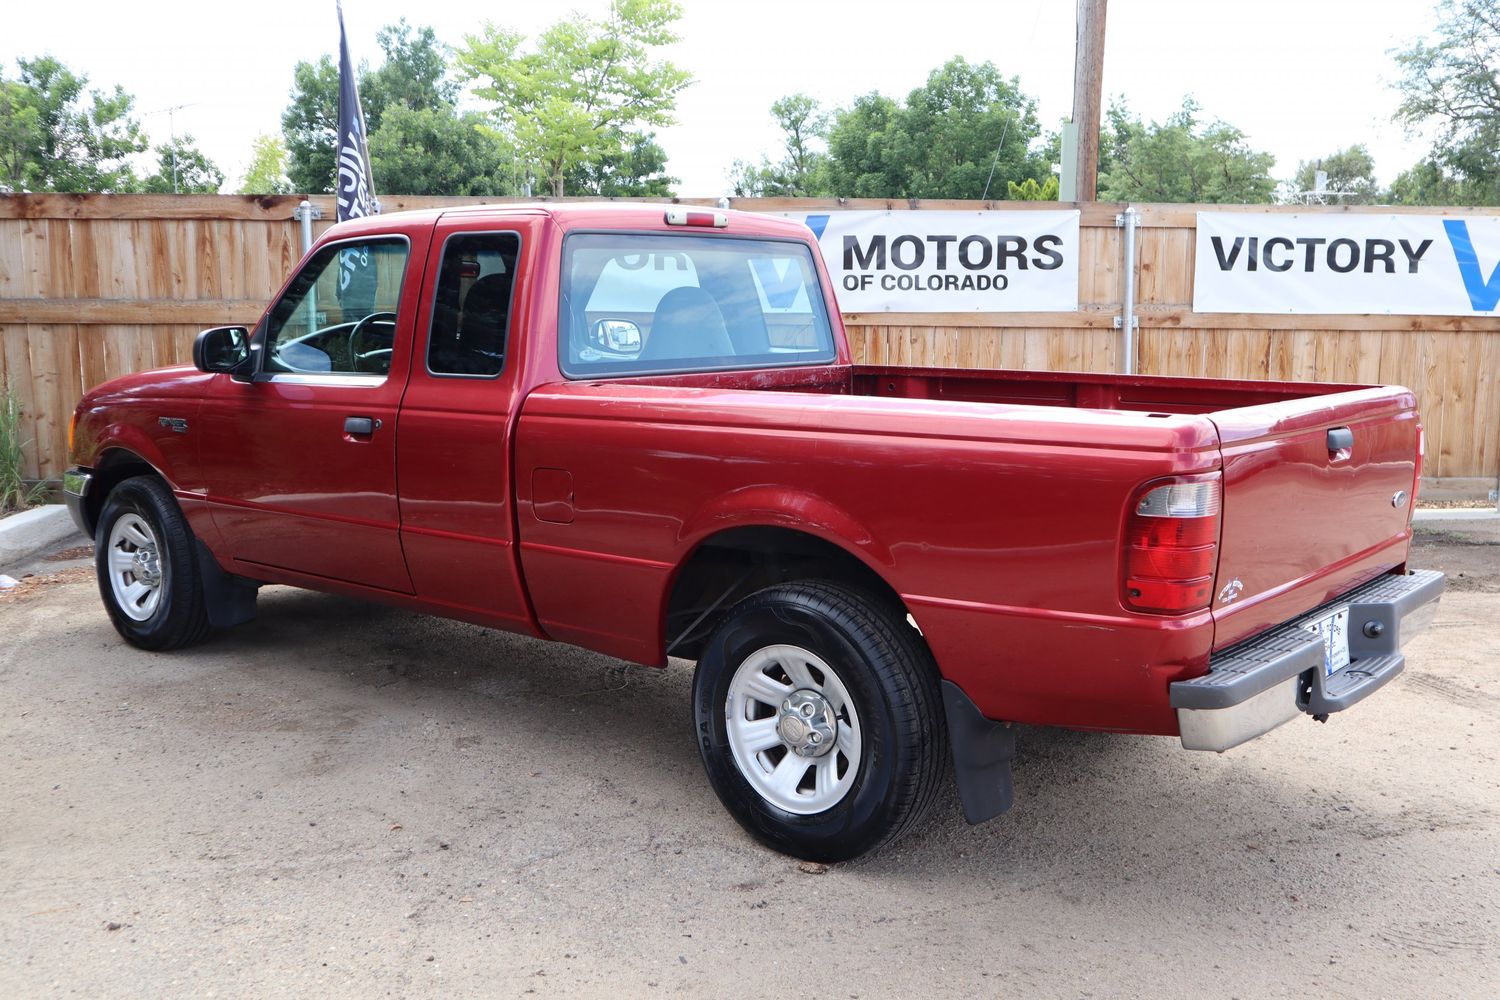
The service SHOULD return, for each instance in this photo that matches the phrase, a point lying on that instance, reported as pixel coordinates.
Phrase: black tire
(890, 679)
(180, 615)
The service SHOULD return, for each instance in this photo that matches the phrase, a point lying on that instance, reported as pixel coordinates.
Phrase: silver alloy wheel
(137, 572)
(793, 729)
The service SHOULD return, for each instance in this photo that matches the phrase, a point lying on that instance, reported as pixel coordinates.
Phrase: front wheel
(148, 574)
(819, 720)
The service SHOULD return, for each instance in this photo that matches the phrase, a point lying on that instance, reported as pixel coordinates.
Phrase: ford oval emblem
(1399, 500)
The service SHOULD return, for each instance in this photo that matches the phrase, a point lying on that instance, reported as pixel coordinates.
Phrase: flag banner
(1339, 263)
(913, 262)
(354, 188)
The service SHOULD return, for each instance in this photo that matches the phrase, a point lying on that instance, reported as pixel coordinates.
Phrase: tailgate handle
(1340, 443)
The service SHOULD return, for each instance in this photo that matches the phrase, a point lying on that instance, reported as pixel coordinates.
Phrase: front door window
(338, 317)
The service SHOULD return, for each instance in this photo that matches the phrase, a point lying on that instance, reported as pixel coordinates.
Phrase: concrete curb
(1457, 514)
(31, 531)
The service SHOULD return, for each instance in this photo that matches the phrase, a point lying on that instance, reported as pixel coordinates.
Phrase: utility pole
(1088, 90)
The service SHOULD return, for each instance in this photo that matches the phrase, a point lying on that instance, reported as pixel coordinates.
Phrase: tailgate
(1304, 519)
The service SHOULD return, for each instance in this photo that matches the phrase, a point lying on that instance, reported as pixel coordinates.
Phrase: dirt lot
(344, 800)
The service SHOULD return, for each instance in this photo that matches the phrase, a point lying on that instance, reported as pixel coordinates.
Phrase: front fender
(119, 442)
(159, 432)
(122, 439)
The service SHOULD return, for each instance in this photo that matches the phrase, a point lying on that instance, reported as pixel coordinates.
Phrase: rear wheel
(148, 574)
(819, 720)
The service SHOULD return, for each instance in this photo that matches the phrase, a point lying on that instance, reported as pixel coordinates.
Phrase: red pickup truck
(638, 429)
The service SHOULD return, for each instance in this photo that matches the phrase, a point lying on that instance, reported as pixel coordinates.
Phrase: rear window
(471, 310)
(636, 304)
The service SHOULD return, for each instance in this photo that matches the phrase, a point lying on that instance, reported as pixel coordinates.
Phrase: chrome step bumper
(1255, 686)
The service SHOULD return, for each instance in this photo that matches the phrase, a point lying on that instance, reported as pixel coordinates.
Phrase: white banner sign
(1424, 265)
(950, 261)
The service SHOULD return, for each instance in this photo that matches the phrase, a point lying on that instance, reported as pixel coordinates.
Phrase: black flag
(355, 189)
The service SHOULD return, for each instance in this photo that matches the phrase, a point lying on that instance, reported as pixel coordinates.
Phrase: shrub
(14, 493)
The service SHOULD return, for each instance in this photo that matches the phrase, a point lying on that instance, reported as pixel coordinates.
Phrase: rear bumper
(1255, 686)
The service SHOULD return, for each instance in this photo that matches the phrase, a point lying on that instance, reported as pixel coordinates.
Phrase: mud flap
(230, 599)
(982, 752)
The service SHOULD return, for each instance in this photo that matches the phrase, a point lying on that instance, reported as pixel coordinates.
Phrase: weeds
(14, 493)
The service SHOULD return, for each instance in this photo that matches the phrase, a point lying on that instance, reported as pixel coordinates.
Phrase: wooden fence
(93, 286)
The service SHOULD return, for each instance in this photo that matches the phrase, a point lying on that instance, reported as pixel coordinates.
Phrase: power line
(1036, 18)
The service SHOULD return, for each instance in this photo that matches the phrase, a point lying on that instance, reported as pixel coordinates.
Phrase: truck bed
(1300, 524)
(1141, 393)
(1084, 390)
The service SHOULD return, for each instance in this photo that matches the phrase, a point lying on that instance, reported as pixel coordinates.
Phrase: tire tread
(907, 675)
(920, 706)
(187, 613)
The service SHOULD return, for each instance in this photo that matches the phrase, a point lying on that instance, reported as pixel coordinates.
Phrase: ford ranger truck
(638, 429)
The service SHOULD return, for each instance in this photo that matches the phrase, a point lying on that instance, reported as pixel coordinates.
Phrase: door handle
(361, 425)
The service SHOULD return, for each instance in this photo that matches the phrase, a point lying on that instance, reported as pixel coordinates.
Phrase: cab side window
(471, 308)
(338, 317)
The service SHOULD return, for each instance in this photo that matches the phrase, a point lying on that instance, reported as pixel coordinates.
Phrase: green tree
(583, 88)
(755, 180)
(802, 171)
(182, 168)
(860, 142)
(434, 151)
(1450, 89)
(57, 137)
(21, 136)
(413, 75)
(1351, 177)
(266, 173)
(310, 125)
(1183, 159)
(635, 167)
(1427, 183)
(942, 142)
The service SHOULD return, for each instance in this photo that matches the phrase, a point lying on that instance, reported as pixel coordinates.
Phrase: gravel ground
(345, 800)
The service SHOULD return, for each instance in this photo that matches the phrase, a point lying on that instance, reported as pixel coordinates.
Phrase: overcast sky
(1301, 77)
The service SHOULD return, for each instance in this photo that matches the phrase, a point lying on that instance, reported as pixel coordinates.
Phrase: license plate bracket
(1333, 629)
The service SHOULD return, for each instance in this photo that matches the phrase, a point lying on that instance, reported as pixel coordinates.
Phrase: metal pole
(1126, 322)
(304, 212)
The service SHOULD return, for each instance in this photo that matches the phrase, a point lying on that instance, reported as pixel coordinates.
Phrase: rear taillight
(1172, 545)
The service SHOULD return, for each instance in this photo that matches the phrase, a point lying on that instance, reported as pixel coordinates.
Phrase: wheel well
(736, 563)
(115, 466)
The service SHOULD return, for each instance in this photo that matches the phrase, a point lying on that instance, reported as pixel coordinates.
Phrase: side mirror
(617, 336)
(222, 350)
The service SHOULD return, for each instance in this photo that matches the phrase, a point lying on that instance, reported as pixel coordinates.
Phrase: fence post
(307, 213)
(1126, 321)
